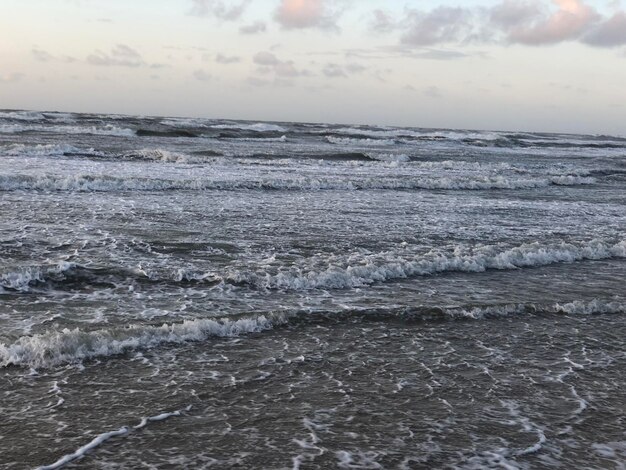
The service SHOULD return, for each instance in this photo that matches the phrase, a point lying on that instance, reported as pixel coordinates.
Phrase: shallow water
(200, 293)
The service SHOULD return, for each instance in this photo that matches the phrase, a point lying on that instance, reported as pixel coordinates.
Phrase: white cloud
(608, 33)
(121, 55)
(441, 25)
(270, 63)
(568, 22)
(303, 14)
(253, 28)
(223, 59)
(220, 9)
(202, 75)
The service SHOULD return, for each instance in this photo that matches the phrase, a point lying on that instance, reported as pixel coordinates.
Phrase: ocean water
(195, 293)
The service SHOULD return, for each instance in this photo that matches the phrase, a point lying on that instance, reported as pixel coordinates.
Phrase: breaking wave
(352, 270)
(102, 183)
(68, 346)
(367, 269)
(47, 150)
(359, 142)
(108, 129)
(258, 127)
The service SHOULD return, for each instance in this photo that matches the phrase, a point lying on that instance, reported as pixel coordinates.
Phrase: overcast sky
(543, 65)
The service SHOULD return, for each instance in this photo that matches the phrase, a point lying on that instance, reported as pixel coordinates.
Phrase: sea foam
(68, 346)
(103, 183)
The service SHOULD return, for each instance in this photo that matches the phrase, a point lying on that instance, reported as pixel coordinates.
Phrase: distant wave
(55, 348)
(47, 150)
(166, 133)
(184, 122)
(161, 155)
(22, 115)
(102, 183)
(258, 127)
(387, 133)
(359, 142)
(60, 129)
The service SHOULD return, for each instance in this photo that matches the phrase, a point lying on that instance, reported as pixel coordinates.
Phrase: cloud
(121, 56)
(268, 62)
(254, 28)
(382, 22)
(41, 55)
(608, 33)
(355, 68)
(12, 77)
(222, 59)
(220, 9)
(432, 92)
(303, 14)
(44, 56)
(527, 22)
(334, 71)
(265, 58)
(512, 13)
(277, 82)
(258, 82)
(571, 19)
(202, 75)
(441, 25)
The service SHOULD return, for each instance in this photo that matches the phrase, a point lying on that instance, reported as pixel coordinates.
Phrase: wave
(47, 150)
(67, 273)
(282, 138)
(103, 183)
(69, 346)
(353, 270)
(22, 115)
(108, 129)
(165, 133)
(382, 133)
(161, 155)
(359, 142)
(380, 267)
(184, 122)
(389, 157)
(258, 127)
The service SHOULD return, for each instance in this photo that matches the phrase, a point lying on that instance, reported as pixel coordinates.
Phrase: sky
(534, 65)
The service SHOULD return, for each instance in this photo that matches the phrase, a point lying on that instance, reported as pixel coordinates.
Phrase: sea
(202, 293)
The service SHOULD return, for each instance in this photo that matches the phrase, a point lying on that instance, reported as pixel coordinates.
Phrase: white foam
(282, 138)
(21, 279)
(258, 127)
(60, 129)
(359, 142)
(364, 269)
(95, 182)
(183, 122)
(593, 307)
(22, 115)
(18, 150)
(158, 154)
(397, 132)
(101, 438)
(71, 346)
(97, 441)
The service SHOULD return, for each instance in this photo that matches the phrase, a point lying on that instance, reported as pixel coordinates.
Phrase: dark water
(188, 293)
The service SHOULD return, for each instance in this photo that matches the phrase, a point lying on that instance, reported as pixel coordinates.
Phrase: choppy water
(190, 293)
